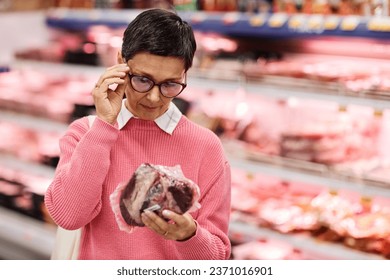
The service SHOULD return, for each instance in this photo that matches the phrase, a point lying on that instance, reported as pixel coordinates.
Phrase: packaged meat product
(154, 188)
(330, 134)
(332, 208)
(266, 250)
(285, 215)
(367, 225)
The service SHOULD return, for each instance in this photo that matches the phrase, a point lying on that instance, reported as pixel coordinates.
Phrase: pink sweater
(95, 160)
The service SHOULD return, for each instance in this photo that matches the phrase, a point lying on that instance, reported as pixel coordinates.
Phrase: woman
(137, 123)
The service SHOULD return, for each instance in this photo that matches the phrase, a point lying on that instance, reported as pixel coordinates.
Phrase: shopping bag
(67, 242)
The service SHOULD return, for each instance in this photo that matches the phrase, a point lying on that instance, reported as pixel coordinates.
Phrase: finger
(117, 66)
(115, 70)
(119, 70)
(104, 86)
(113, 96)
(176, 218)
(154, 222)
(184, 225)
(121, 87)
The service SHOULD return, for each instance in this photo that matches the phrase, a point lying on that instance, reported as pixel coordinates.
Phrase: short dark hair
(159, 32)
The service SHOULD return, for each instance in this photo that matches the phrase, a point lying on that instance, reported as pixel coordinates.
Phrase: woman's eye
(144, 80)
(170, 85)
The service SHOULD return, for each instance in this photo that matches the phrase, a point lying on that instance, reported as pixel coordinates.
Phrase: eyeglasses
(168, 89)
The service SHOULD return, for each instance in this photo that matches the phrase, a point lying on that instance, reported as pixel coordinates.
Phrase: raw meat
(155, 186)
(325, 134)
(266, 250)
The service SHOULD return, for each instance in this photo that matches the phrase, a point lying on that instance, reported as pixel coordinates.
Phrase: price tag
(316, 22)
(250, 175)
(257, 20)
(342, 108)
(378, 113)
(277, 20)
(79, 14)
(379, 24)
(58, 13)
(198, 17)
(96, 14)
(297, 22)
(331, 23)
(350, 23)
(333, 191)
(231, 18)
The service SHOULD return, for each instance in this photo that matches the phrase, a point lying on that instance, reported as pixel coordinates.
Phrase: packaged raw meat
(332, 208)
(285, 215)
(154, 188)
(266, 250)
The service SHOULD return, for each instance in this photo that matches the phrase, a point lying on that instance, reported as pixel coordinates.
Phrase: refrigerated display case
(228, 92)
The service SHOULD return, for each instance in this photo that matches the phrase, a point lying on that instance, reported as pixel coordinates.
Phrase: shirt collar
(167, 121)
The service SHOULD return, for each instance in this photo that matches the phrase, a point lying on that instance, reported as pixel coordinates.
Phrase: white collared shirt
(167, 121)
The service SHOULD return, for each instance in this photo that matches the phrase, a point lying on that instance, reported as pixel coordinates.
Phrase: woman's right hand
(108, 102)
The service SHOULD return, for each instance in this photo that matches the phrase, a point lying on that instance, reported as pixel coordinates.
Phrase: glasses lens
(141, 84)
(171, 89)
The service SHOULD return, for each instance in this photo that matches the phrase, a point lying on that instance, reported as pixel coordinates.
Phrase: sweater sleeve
(211, 240)
(74, 197)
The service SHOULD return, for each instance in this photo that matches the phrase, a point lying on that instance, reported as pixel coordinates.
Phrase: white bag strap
(91, 119)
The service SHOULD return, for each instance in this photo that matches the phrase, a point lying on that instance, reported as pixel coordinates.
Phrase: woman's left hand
(179, 227)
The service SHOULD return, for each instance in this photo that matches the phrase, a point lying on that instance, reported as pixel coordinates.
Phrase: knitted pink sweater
(95, 160)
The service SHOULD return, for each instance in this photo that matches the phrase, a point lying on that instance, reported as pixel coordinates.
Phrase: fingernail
(146, 213)
(166, 213)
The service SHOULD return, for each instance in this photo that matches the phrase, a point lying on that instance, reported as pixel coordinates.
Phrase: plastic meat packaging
(154, 188)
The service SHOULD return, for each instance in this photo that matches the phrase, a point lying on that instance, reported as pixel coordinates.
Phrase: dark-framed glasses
(143, 84)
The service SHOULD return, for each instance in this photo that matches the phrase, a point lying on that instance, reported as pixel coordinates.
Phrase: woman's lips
(150, 108)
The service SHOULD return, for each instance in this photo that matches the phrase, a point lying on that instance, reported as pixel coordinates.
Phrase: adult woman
(145, 126)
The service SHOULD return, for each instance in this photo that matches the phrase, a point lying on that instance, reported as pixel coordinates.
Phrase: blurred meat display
(23, 192)
(320, 132)
(29, 144)
(329, 71)
(286, 109)
(53, 96)
(267, 250)
(343, 217)
(343, 138)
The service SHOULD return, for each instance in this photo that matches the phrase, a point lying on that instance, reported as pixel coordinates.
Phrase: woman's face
(152, 104)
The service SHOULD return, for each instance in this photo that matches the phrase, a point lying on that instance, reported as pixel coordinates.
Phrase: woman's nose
(154, 94)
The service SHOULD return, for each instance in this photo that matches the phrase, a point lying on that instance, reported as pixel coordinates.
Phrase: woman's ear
(119, 57)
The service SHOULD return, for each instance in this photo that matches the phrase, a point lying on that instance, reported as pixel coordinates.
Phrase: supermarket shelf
(281, 25)
(37, 169)
(286, 89)
(303, 242)
(270, 165)
(82, 19)
(57, 68)
(32, 122)
(277, 25)
(283, 88)
(319, 177)
(22, 237)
